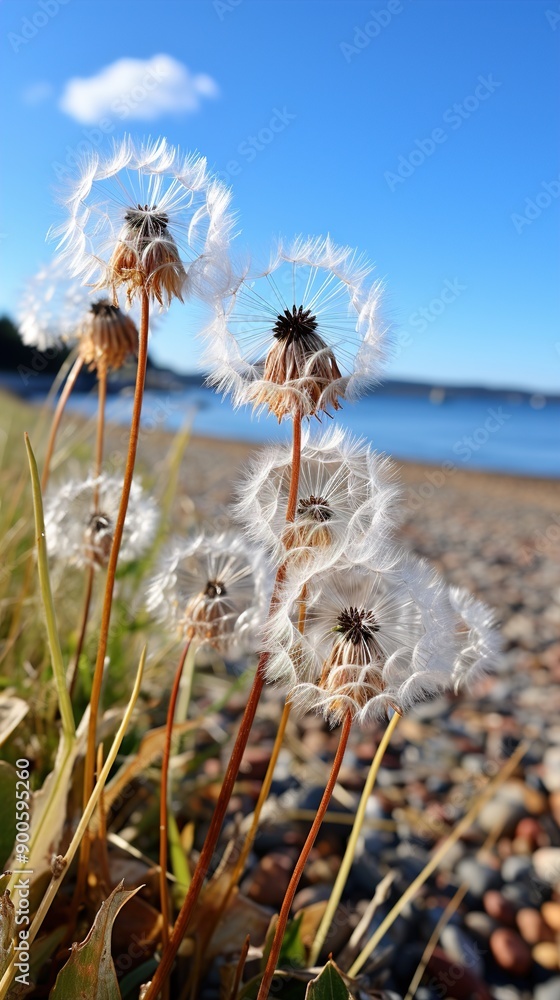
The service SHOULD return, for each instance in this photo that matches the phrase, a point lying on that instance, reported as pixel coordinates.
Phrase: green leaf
(292, 953)
(89, 973)
(329, 985)
(8, 800)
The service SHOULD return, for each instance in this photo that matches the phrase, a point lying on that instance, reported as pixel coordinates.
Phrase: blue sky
(423, 133)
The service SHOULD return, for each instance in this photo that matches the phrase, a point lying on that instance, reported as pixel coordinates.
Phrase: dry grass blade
(68, 857)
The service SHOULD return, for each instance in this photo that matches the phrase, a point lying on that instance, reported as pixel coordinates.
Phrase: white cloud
(141, 89)
(36, 93)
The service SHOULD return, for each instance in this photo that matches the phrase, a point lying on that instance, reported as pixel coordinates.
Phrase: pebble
(481, 924)
(498, 907)
(546, 954)
(554, 802)
(551, 769)
(463, 984)
(531, 925)
(269, 880)
(460, 947)
(480, 877)
(516, 867)
(311, 894)
(551, 914)
(502, 813)
(546, 862)
(550, 990)
(510, 951)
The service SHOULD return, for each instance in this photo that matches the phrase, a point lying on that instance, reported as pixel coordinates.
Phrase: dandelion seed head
(214, 588)
(80, 518)
(300, 335)
(147, 217)
(347, 502)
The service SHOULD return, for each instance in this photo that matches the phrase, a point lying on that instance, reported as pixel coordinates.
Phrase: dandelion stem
(301, 862)
(73, 669)
(114, 555)
(163, 792)
(101, 401)
(344, 870)
(57, 417)
(461, 828)
(199, 874)
(296, 465)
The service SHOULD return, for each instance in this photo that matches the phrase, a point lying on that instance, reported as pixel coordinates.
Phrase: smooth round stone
(546, 953)
(546, 862)
(551, 914)
(503, 812)
(554, 803)
(462, 949)
(520, 895)
(531, 925)
(510, 951)
(498, 907)
(550, 990)
(516, 867)
(551, 769)
(481, 924)
(479, 877)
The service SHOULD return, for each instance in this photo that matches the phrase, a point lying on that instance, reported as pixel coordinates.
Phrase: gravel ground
(499, 536)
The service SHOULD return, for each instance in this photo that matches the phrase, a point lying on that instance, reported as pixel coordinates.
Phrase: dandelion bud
(107, 336)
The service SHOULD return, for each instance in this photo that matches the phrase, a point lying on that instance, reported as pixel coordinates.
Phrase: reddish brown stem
(301, 862)
(114, 556)
(163, 794)
(57, 417)
(202, 867)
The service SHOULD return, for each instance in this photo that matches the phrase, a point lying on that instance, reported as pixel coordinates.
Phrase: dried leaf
(7, 931)
(329, 985)
(89, 973)
(12, 711)
(8, 800)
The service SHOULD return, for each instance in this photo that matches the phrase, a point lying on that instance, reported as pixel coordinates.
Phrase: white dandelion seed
(346, 501)
(148, 216)
(481, 642)
(370, 641)
(80, 519)
(300, 335)
(215, 588)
